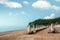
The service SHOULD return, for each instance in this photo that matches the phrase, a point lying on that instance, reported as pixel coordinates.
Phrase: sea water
(12, 28)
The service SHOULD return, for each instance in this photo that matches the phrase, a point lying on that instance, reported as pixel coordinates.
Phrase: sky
(21, 12)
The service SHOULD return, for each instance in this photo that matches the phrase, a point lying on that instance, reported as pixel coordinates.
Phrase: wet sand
(22, 35)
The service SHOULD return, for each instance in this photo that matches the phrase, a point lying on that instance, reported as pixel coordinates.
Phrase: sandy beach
(22, 35)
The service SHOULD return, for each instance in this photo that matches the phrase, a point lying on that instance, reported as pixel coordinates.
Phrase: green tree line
(45, 21)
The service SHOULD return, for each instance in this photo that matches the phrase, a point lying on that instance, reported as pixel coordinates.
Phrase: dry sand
(22, 35)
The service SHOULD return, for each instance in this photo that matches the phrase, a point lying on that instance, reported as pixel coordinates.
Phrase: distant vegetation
(45, 21)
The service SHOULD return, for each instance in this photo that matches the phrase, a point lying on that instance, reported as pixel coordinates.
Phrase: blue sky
(21, 12)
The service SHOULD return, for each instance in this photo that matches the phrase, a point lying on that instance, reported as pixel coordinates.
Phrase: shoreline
(7, 32)
(21, 35)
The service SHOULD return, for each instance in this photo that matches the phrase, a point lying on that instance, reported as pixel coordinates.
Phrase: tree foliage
(45, 21)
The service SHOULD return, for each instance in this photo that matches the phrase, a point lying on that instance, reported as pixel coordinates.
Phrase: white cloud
(42, 0)
(47, 17)
(10, 4)
(10, 14)
(57, 0)
(16, 14)
(22, 12)
(55, 7)
(25, 2)
(41, 4)
(52, 16)
(13, 5)
(4, 0)
(13, 14)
